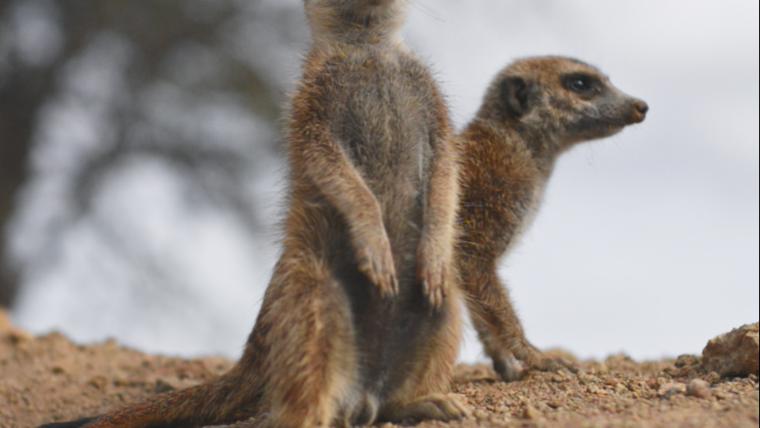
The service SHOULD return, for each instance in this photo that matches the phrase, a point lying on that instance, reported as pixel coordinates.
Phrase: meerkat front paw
(375, 259)
(433, 264)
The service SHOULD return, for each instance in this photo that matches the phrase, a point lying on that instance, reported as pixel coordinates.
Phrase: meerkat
(360, 321)
(535, 110)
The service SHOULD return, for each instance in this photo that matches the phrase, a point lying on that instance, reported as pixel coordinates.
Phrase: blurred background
(141, 167)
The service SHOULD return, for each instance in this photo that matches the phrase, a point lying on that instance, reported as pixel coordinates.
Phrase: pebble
(699, 388)
(530, 412)
(98, 382)
(481, 415)
(687, 360)
(621, 389)
(712, 378)
(670, 389)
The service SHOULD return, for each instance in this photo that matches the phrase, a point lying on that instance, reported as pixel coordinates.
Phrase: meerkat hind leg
(311, 360)
(425, 392)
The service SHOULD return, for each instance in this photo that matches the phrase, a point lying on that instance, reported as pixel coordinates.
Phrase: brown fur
(360, 321)
(530, 116)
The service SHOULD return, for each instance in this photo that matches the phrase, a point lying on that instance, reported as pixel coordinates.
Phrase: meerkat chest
(528, 213)
(382, 114)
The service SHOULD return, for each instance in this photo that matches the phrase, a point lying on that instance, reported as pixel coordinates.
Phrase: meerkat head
(364, 21)
(561, 100)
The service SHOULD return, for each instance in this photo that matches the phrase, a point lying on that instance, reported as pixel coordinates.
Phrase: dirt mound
(49, 379)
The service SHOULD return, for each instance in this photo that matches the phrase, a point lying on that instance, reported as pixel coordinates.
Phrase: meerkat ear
(516, 96)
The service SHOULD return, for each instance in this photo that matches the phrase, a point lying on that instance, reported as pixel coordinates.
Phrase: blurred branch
(156, 32)
(22, 94)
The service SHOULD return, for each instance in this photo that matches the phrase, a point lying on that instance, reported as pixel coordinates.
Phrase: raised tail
(228, 399)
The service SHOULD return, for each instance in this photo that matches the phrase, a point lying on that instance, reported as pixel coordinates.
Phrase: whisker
(427, 10)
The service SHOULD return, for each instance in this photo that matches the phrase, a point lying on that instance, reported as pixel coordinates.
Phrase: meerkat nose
(642, 107)
(639, 111)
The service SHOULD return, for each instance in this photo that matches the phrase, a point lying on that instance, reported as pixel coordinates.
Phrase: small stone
(585, 378)
(687, 360)
(621, 389)
(712, 378)
(698, 388)
(670, 389)
(98, 382)
(530, 413)
(481, 415)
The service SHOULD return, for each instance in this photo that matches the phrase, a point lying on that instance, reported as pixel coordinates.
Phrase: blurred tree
(88, 88)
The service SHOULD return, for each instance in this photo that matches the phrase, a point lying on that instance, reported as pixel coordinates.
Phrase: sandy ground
(49, 378)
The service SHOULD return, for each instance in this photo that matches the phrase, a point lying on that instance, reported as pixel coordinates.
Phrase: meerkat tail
(72, 424)
(217, 402)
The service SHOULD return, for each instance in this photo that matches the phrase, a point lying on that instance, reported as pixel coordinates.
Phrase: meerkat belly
(384, 130)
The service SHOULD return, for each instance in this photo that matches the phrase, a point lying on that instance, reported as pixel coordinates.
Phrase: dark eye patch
(581, 83)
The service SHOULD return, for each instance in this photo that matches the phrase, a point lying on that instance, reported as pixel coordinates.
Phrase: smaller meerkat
(535, 110)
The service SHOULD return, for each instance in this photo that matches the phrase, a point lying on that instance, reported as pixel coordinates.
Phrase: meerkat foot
(375, 260)
(509, 368)
(441, 407)
(514, 367)
(549, 364)
(363, 413)
(537, 360)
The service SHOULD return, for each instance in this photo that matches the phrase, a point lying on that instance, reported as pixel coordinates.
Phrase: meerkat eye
(580, 83)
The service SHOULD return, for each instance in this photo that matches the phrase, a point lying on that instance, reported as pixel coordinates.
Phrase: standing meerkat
(534, 111)
(360, 321)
